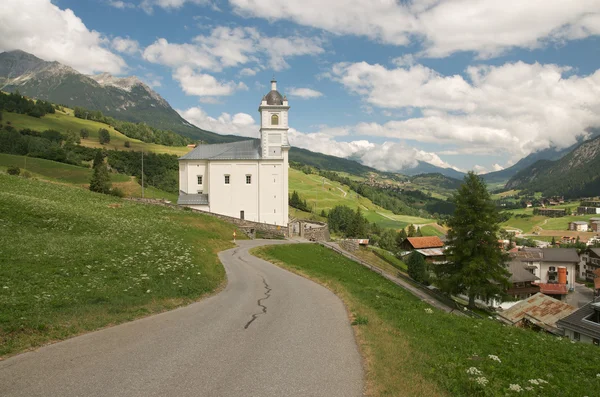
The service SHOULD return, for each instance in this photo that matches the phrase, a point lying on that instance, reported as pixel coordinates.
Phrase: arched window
(274, 119)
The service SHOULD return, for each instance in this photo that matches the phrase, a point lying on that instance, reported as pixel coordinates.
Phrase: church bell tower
(274, 124)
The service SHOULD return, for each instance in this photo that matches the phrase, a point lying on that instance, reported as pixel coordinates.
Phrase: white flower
(528, 388)
(516, 388)
(428, 311)
(545, 381)
(481, 381)
(495, 358)
(534, 381)
(597, 375)
(474, 371)
(148, 291)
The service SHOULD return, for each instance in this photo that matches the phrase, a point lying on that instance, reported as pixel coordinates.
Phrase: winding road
(268, 333)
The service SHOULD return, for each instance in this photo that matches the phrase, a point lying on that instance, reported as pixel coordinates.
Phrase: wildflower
(545, 381)
(148, 291)
(494, 357)
(6, 287)
(597, 375)
(481, 381)
(428, 311)
(474, 371)
(528, 388)
(516, 388)
(534, 381)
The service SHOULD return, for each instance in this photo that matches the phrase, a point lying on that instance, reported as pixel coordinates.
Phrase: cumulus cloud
(487, 27)
(516, 107)
(125, 45)
(304, 93)
(53, 34)
(148, 5)
(201, 84)
(120, 4)
(239, 124)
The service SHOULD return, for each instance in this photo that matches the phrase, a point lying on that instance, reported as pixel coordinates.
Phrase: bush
(115, 191)
(26, 174)
(127, 144)
(12, 170)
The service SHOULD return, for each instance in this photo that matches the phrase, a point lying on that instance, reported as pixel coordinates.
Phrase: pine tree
(411, 230)
(100, 181)
(476, 263)
(553, 242)
(417, 268)
(418, 233)
(400, 237)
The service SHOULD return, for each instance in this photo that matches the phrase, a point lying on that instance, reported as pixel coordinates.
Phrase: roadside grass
(73, 261)
(390, 258)
(64, 122)
(411, 349)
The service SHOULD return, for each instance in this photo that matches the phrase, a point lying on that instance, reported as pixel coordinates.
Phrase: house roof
(595, 251)
(431, 251)
(560, 255)
(525, 255)
(594, 219)
(540, 309)
(553, 289)
(192, 199)
(242, 150)
(580, 222)
(576, 321)
(518, 273)
(425, 242)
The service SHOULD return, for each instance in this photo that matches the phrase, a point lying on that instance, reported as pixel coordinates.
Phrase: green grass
(431, 231)
(411, 352)
(72, 261)
(64, 122)
(390, 258)
(528, 224)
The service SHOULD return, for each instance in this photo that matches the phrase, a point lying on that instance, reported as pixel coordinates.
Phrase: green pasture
(73, 261)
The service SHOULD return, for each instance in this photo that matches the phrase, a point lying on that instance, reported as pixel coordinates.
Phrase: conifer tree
(411, 230)
(476, 263)
(417, 268)
(400, 237)
(418, 232)
(100, 181)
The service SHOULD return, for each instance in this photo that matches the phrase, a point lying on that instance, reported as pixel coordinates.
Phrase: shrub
(26, 174)
(127, 144)
(12, 170)
(115, 191)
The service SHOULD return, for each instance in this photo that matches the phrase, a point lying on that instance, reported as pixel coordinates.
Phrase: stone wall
(314, 231)
(349, 245)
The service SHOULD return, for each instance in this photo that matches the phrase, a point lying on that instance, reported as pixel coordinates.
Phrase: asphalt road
(269, 333)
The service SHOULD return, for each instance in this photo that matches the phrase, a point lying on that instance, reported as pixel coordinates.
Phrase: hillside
(126, 99)
(574, 175)
(74, 261)
(326, 162)
(427, 168)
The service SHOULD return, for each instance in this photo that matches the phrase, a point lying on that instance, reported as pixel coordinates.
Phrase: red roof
(553, 289)
(425, 242)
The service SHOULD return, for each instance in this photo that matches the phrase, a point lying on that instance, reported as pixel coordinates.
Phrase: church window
(199, 179)
(227, 179)
(248, 179)
(274, 119)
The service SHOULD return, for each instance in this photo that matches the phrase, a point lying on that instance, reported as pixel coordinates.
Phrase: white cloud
(152, 80)
(487, 27)
(201, 84)
(516, 108)
(125, 45)
(43, 29)
(247, 72)
(230, 47)
(120, 4)
(209, 99)
(148, 5)
(304, 93)
(497, 167)
(239, 124)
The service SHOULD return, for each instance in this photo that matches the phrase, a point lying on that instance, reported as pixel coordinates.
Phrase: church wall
(237, 195)
(273, 193)
(188, 181)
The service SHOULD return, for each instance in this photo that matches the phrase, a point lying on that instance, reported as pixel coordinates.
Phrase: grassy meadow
(530, 222)
(65, 121)
(73, 261)
(411, 349)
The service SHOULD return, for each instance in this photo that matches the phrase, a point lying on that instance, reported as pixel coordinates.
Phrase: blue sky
(471, 84)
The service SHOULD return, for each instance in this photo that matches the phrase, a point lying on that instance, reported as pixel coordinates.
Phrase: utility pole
(142, 173)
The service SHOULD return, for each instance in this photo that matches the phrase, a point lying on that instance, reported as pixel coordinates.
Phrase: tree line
(141, 131)
(17, 103)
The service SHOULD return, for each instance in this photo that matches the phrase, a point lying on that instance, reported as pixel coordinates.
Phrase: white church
(247, 179)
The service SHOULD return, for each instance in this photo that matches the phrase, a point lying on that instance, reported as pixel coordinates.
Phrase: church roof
(274, 98)
(242, 150)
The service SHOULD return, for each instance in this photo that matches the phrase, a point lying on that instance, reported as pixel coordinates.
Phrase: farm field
(73, 261)
(71, 174)
(448, 354)
(64, 122)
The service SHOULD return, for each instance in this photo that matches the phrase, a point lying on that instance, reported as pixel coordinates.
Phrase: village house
(413, 243)
(589, 207)
(539, 312)
(590, 262)
(595, 224)
(248, 179)
(583, 325)
(579, 226)
(550, 212)
(522, 281)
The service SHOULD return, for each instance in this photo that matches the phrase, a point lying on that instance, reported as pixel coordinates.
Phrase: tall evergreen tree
(417, 268)
(476, 263)
(400, 237)
(100, 181)
(418, 233)
(411, 230)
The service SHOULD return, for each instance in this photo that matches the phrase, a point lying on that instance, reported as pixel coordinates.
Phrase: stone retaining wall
(349, 245)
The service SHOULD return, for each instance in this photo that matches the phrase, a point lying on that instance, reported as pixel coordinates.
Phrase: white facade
(243, 180)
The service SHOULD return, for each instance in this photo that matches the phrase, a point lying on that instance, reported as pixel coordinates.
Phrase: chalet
(522, 281)
(551, 212)
(580, 226)
(590, 262)
(595, 224)
(413, 243)
(583, 325)
(433, 255)
(539, 312)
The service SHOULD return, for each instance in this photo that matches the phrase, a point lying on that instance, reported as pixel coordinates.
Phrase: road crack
(264, 308)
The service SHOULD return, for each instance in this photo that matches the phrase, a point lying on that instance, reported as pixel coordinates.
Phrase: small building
(413, 243)
(579, 226)
(583, 325)
(539, 312)
(590, 262)
(433, 255)
(551, 212)
(595, 226)
(522, 281)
